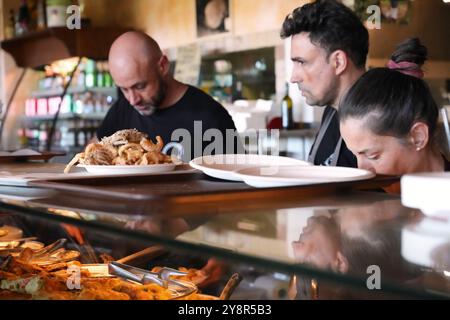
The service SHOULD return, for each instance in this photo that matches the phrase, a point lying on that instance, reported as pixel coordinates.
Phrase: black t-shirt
(194, 106)
(446, 165)
(328, 144)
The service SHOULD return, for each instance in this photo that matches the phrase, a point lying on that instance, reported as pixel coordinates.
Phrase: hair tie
(406, 67)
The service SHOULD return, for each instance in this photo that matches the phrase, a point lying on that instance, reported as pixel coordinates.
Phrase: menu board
(187, 67)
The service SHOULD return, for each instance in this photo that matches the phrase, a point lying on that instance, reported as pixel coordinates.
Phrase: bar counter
(328, 242)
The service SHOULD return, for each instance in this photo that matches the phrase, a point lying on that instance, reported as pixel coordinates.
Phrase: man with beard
(329, 46)
(153, 102)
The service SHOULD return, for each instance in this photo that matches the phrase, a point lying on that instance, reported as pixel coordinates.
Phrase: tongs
(162, 277)
(50, 249)
(41, 253)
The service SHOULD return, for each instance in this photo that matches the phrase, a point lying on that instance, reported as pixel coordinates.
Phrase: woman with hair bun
(388, 118)
(409, 57)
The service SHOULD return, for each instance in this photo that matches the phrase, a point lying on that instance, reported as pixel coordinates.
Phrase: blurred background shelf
(66, 116)
(57, 92)
(32, 50)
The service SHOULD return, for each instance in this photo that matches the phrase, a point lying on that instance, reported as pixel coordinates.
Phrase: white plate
(223, 166)
(428, 192)
(152, 168)
(282, 176)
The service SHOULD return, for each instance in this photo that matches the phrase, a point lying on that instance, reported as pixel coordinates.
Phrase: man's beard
(157, 99)
(311, 100)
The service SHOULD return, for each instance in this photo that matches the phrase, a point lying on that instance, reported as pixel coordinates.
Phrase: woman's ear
(339, 60)
(419, 135)
(341, 263)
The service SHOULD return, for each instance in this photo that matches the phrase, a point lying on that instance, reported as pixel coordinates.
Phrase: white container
(56, 16)
(428, 192)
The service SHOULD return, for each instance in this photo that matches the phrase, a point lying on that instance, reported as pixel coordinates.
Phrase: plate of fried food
(125, 152)
(22, 280)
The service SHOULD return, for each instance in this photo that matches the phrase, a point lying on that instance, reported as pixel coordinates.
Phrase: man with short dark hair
(329, 46)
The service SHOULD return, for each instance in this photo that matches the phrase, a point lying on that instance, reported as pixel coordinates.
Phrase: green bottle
(286, 111)
(100, 75)
(90, 77)
(108, 78)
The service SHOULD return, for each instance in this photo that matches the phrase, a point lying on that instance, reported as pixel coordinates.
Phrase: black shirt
(194, 106)
(328, 144)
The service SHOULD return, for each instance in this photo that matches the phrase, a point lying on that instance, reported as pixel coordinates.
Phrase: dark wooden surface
(144, 188)
(190, 193)
(24, 158)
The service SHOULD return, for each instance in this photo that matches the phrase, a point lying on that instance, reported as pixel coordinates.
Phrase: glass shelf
(334, 239)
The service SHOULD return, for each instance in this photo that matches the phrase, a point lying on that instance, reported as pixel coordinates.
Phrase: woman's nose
(365, 165)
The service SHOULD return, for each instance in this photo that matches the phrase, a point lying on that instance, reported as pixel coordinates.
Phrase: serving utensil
(50, 249)
(230, 286)
(162, 277)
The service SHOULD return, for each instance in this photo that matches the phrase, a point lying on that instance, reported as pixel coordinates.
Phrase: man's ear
(164, 65)
(339, 60)
(419, 135)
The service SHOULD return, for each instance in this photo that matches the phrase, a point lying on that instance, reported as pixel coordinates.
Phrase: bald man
(152, 101)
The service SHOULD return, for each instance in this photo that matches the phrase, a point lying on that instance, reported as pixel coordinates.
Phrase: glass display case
(344, 244)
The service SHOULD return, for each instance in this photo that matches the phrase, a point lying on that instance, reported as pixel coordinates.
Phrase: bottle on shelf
(79, 79)
(23, 19)
(78, 104)
(108, 78)
(100, 75)
(237, 95)
(286, 110)
(30, 107)
(42, 107)
(10, 27)
(67, 105)
(41, 22)
(88, 103)
(90, 74)
(43, 134)
(98, 107)
(47, 82)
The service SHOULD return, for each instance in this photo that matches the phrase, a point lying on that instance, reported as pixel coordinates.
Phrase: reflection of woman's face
(317, 245)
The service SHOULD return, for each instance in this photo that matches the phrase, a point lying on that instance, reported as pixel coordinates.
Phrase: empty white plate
(282, 176)
(152, 168)
(428, 192)
(223, 166)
